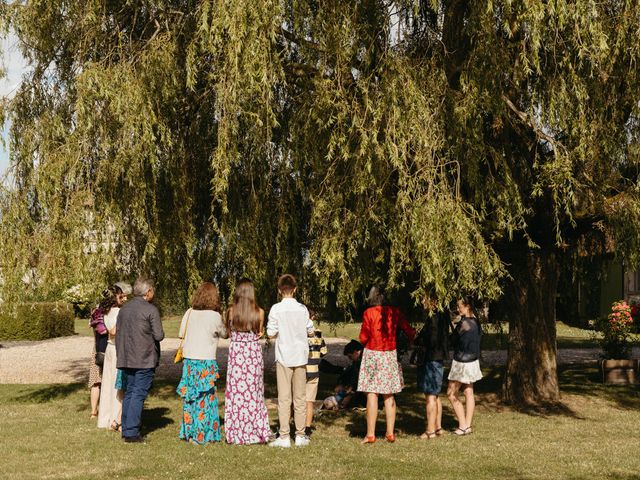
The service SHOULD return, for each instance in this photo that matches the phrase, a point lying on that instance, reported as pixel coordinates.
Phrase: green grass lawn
(495, 336)
(47, 433)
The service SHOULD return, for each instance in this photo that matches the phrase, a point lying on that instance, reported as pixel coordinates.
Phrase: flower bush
(79, 296)
(616, 341)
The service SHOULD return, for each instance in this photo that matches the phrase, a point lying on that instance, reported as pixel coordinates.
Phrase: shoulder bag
(179, 356)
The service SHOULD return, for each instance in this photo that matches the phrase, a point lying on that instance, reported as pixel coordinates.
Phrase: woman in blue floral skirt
(200, 330)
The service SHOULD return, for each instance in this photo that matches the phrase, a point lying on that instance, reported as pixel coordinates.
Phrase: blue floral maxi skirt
(121, 380)
(197, 387)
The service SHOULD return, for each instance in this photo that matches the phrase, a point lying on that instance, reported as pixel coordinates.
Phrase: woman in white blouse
(110, 410)
(200, 330)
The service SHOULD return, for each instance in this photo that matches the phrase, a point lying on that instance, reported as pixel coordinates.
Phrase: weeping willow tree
(446, 146)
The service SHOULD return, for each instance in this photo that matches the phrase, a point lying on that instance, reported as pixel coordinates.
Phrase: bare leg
(309, 419)
(119, 414)
(390, 412)
(372, 414)
(458, 408)
(432, 413)
(438, 414)
(470, 403)
(95, 399)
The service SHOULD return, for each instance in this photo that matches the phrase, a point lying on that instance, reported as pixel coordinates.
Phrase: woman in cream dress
(110, 411)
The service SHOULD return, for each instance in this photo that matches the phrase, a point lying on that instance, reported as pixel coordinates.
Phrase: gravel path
(66, 360)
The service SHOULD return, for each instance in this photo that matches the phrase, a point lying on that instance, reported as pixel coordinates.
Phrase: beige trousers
(292, 382)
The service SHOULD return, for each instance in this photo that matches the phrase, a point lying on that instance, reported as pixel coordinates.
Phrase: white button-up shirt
(289, 322)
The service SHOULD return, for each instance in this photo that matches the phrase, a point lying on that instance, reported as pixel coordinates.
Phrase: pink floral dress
(246, 420)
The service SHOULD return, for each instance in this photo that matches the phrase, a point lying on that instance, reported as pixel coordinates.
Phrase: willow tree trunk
(531, 377)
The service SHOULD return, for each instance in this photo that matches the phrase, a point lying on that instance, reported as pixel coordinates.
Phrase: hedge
(37, 321)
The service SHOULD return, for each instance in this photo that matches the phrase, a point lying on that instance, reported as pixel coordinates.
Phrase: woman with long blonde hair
(245, 417)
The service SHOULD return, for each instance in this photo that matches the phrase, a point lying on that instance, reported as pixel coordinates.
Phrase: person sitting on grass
(345, 393)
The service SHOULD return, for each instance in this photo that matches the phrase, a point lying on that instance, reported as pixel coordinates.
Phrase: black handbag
(101, 347)
(100, 359)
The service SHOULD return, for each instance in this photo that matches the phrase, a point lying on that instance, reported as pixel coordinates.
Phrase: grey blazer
(138, 335)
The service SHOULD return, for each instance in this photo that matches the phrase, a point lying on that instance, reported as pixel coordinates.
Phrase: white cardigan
(201, 338)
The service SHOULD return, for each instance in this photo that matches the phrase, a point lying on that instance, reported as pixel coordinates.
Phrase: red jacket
(379, 325)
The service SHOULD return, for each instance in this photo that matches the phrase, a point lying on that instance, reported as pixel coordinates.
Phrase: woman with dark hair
(430, 353)
(465, 367)
(110, 410)
(200, 329)
(101, 337)
(245, 416)
(380, 372)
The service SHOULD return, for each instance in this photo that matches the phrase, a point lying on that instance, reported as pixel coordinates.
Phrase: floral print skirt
(197, 387)
(380, 372)
(121, 380)
(246, 420)
(467, 373)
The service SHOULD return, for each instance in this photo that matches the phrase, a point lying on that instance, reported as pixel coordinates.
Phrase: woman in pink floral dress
(246, 420)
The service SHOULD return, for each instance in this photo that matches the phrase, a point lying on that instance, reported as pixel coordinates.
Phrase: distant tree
(453, 146)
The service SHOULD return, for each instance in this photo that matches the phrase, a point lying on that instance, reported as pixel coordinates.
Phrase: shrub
(36, 321)
(616, 329)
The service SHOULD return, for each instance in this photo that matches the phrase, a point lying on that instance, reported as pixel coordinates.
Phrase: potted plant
(616, 342)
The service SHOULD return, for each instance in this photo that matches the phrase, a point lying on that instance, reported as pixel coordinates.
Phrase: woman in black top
(431, 351)
(465, 367)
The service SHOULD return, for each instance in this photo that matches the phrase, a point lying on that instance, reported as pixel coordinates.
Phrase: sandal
(116, 427)
(93, 415)
(428, 435)
(368, 439)
(462, 431)
(390, 437)
(439, 432)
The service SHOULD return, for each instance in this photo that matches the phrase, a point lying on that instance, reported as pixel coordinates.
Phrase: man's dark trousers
(139, 382)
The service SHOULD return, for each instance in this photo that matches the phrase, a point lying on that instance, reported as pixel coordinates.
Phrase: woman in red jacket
(381, 373)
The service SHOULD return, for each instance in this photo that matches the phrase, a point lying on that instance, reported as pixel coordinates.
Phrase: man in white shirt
(290, 325)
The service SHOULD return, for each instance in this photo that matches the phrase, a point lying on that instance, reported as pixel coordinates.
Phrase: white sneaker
(282, 442)
(302, 440)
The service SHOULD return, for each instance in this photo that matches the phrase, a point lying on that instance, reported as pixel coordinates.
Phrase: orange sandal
(368, 439)
(390, 438)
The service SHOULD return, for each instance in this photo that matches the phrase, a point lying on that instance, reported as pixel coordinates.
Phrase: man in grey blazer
(138, 337)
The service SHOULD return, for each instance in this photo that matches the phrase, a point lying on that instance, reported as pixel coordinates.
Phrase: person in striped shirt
(317, 350)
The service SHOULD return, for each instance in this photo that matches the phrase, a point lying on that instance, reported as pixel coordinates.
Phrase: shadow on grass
(410, 420)
(50, 393)
(155, 419)
(581, 380)
(587, 381)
